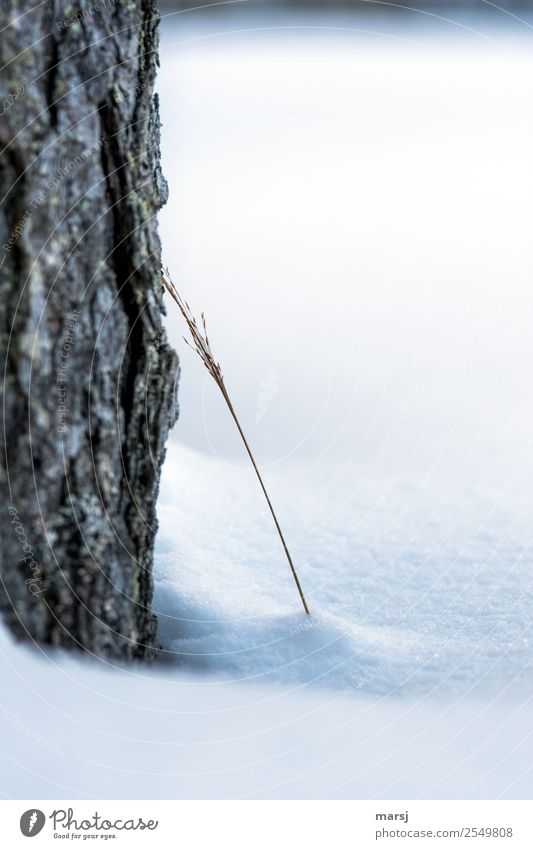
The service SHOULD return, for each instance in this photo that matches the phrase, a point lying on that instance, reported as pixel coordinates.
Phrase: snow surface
(353, 212)
(406, 597)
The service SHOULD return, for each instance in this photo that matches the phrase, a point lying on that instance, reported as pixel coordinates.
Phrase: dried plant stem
(260, 479)
(203, 349)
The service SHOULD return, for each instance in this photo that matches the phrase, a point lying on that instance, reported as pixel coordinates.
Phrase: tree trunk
(89, 379)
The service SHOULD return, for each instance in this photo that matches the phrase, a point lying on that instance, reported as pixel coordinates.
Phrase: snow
(399, 605)
(74, 729)
(353, 214)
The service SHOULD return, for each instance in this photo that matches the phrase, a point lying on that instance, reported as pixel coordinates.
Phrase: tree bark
(89, 378)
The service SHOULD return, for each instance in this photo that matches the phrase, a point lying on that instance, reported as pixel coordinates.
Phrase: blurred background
(350, 199)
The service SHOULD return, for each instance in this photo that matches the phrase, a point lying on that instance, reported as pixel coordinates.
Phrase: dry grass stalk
(202, 347)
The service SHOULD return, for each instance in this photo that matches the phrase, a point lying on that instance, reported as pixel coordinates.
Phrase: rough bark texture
(88, 375)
